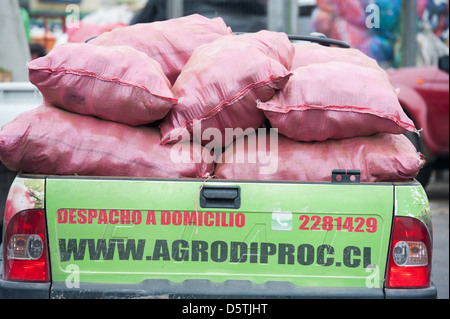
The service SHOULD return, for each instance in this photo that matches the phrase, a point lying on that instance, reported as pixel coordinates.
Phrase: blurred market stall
(353, 21)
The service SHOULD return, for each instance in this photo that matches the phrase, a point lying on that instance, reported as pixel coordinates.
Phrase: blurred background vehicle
(245, 16)
(424, 95)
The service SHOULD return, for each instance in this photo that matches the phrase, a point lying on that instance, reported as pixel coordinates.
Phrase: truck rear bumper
(24, 290)
(201, 289)
(205, 289)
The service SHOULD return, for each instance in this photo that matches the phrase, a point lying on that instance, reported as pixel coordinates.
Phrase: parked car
(424, 94)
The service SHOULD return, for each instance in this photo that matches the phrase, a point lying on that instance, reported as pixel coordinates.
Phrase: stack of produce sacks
(129, 103)
(219, 86)
(338, 111)
(49, 140)
(170, 43)
(98, 99)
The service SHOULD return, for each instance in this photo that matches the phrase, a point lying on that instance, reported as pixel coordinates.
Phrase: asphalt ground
(438, 194)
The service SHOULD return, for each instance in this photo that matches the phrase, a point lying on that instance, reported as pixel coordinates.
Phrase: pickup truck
(107, 237)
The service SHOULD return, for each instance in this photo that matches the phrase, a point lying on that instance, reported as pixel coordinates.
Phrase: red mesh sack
(336, 100)
(275, 45)
(86, 31)
(380, 158)
(48, 140)
(83, 32)
(170, 42)
(220, 85)
(113, 83)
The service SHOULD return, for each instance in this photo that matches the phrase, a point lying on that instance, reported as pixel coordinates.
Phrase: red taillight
(410, 255)
(25, 248)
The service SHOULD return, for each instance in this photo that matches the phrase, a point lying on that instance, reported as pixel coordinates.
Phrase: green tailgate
(128, 231)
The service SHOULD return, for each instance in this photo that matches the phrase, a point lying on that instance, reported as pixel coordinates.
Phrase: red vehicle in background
(424, 95)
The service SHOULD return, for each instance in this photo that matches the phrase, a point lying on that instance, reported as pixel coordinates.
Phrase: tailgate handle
(220, 197)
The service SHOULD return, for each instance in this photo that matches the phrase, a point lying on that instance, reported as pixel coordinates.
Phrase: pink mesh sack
(113, 83)
(48, 140)
(380, 158)
(336, 100)
(312, 53)
(274, 44)
(219, 87)
(170, 42)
